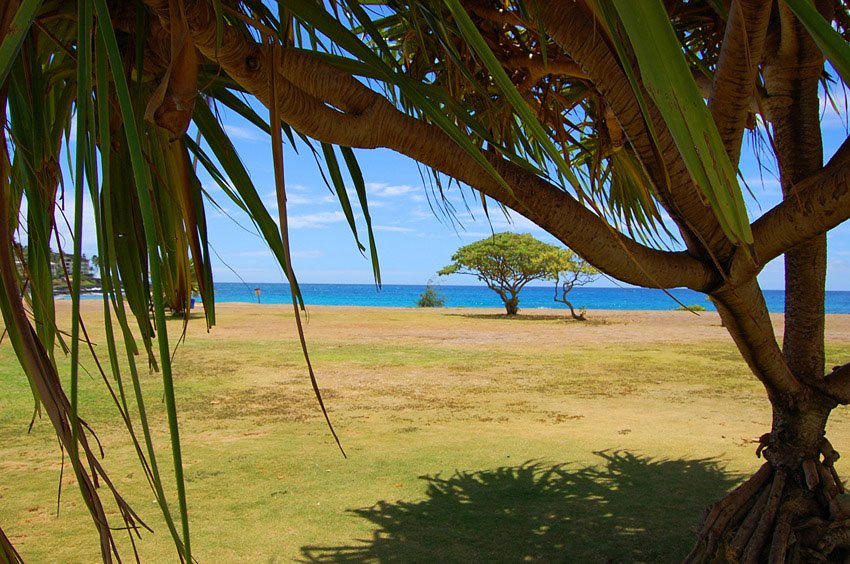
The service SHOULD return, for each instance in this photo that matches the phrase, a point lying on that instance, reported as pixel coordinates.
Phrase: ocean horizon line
(471, 296)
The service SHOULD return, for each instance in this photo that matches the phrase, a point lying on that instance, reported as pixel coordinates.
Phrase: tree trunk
(512, 305)
(788, 511)
(576, 316)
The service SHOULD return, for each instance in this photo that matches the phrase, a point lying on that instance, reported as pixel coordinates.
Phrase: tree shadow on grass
(559, 316)
(629, 508)
(562, 317)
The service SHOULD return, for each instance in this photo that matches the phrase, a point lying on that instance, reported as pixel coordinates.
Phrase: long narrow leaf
(84, 86)
(671, 85)
(360, 188)
(280, 192)
(18, 30)
(341, 193)
(140, 176)
(227, 156)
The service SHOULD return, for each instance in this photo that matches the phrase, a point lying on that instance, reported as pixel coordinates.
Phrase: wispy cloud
(299, 198)
(420, 214)
(383, 190)
(302, 200)
(515, 223)
(767, 182)
(241, 133)
(265, 253)
(312, 220)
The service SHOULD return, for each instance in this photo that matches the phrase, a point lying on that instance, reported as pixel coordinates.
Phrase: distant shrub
(695, 307)
(431, 298)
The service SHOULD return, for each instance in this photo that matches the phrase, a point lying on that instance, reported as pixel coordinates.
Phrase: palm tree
(597, 119)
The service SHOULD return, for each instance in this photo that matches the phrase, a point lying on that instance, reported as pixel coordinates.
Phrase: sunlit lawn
(469, 438)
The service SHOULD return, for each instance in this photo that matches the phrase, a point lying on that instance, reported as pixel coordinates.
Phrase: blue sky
(413, 242)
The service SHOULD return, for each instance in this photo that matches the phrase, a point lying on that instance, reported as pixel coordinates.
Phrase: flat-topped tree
(506, 263)
(599, 120)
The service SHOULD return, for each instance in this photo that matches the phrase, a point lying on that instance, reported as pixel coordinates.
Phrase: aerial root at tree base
(780, 514)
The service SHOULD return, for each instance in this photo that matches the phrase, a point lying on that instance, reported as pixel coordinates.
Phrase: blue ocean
(531, 297)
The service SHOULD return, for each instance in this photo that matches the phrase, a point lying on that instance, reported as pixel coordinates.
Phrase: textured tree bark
(789, 510)
(791, 78)
(573, 314)
(820, 202)
(735, 78)
(774, 520)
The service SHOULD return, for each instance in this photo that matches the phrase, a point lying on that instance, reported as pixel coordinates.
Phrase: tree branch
(744, 312)
(837, 384)
(329, 104)
(820, 203)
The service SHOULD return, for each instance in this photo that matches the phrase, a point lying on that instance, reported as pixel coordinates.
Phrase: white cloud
(383, 190)
(314, 219)
(297, 188)
(302, 200)
(421, 214)
(299, 198)
(766, 183)
(241, 133)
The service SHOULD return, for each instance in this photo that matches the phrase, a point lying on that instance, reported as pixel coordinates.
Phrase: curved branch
(819, 203)
(312, 92)
(837, 384)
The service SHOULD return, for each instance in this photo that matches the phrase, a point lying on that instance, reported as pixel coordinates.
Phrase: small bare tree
(577, 272)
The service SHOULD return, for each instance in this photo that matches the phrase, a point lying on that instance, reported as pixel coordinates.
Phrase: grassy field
(470, 438)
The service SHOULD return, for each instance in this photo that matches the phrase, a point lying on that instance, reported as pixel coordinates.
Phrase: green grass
(469, 439)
